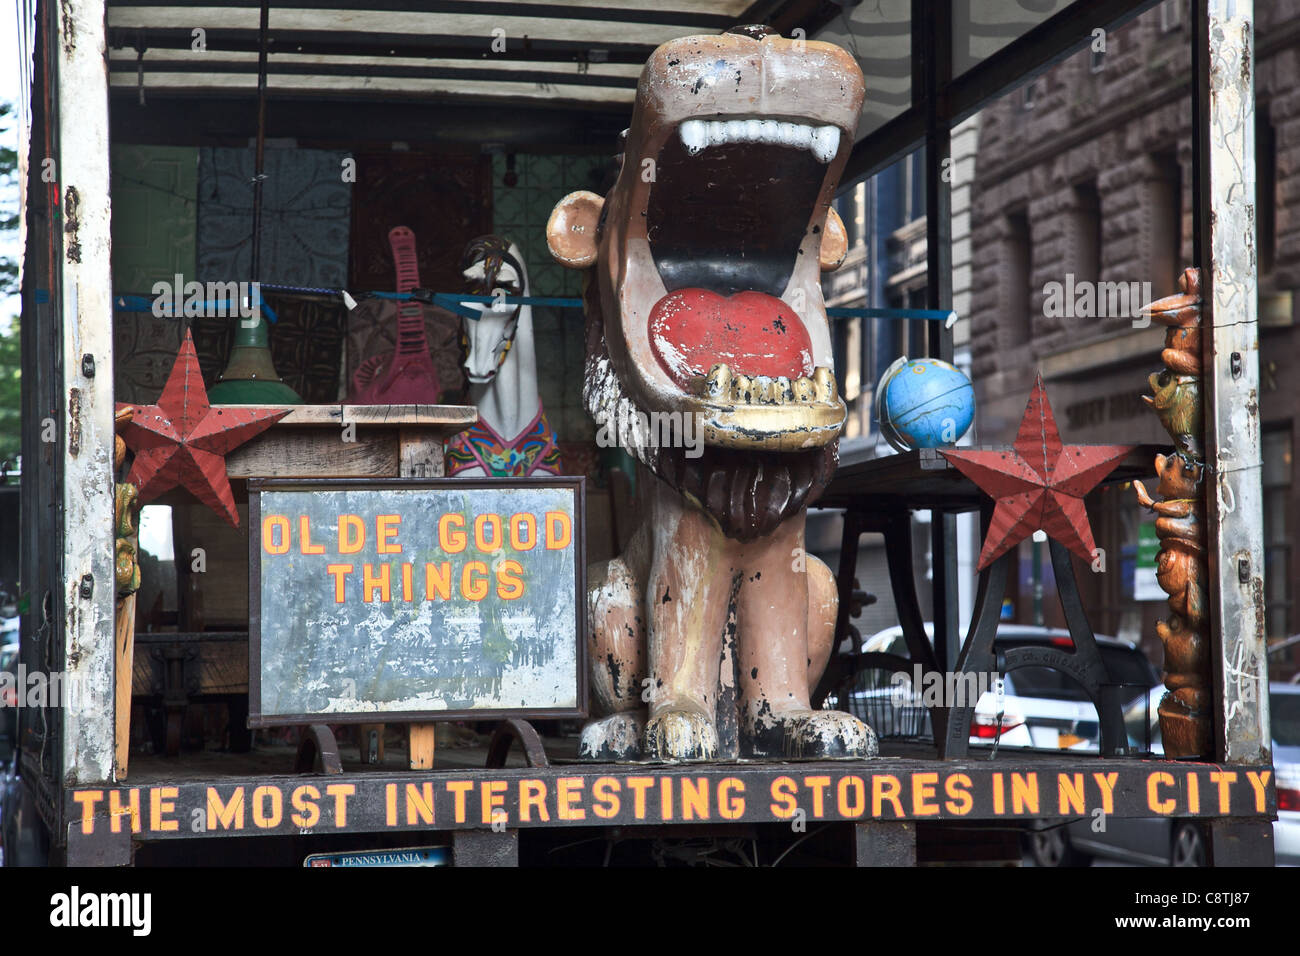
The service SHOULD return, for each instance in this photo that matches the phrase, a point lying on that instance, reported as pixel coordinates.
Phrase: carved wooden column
(1181, 568)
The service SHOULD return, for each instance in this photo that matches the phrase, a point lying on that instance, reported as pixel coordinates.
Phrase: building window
(1085, 233)
(1165, 209)
(1171, 15)
(1029, 94)
(918, 183)
(1017, 259)
(1275, 447)
(911, 186)
(1265, 191)
(847, 207)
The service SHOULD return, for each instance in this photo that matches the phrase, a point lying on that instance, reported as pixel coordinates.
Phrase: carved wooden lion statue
(709, 358)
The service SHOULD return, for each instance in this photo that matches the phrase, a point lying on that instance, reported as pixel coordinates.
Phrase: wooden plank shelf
(352, 441)
(923, 479)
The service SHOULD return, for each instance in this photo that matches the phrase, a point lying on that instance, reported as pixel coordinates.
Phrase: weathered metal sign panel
(621, 795)
(410, 599)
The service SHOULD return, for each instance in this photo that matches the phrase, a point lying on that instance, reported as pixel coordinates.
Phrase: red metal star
(183, 440)
(1038, 483)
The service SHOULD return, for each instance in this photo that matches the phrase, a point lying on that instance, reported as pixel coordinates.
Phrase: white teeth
(826, 143)
(694, 134)
(822, 141)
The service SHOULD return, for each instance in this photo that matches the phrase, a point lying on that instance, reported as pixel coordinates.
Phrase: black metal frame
(40, 743)
(944, 100)
(450, 121)
(256, 486)
(939, 102)
(879, 496)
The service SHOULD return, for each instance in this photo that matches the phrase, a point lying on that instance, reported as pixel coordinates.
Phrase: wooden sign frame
(257, 719)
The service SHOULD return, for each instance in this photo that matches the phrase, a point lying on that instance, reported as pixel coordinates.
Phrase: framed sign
(408, 600)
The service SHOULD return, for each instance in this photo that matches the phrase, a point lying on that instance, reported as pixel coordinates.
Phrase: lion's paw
(681, 735)
(826, 733)
(616, 737)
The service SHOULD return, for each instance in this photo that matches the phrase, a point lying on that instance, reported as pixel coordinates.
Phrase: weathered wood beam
(1224, 179)
(85, 298)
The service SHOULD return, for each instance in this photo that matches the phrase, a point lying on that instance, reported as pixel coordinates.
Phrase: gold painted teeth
(823, 385)
(724, 385)
(718, 384)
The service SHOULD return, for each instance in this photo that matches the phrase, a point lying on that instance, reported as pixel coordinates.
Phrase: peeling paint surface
(84, 311)
(1235, 510)
(416, 650)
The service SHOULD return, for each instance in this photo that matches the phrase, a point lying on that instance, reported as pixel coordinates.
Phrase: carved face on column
(708, 253)
(491, 265)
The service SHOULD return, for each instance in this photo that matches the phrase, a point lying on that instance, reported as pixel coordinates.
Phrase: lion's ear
(571, 230)
(835, 242)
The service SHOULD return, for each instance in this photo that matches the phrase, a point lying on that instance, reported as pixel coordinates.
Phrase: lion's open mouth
(726, 217)
(731, 199)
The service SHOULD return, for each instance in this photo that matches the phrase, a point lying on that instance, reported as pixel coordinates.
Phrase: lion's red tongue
(692, 330)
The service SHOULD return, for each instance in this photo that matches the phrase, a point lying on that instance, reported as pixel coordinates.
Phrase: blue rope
(454, 302)
(946, 316)
(143, 303)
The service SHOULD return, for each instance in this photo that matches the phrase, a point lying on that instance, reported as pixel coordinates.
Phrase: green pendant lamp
(250, 377)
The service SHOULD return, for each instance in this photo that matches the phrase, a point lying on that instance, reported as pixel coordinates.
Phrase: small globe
(924, 403)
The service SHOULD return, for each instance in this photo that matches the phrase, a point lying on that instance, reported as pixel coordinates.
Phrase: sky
(9, 83)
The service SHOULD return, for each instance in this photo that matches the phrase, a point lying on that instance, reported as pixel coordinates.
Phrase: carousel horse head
(492, 265)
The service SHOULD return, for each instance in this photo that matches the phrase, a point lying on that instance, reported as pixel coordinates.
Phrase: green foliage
(10, 394)
(8, 198)
(10, 351)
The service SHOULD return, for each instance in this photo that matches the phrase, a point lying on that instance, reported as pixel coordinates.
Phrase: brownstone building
(1083, 184)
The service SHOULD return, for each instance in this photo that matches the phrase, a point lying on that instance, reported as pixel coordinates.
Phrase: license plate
(405, 856)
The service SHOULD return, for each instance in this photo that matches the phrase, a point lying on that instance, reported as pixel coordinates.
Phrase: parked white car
(1284, 718)
(1041, 708)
